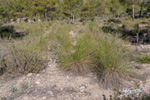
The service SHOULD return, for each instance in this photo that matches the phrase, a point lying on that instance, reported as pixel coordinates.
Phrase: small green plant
(117, 89)
(73, 90)
(137, 85)
(13, 89)
(25, 85)
(145, 59)
(3, 98)
(139, 66)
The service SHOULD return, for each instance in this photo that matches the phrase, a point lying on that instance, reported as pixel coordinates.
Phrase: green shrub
(21, 59)
(111, 59)
(79, 59)
(110, 53)
(27, 55)
(145, 59)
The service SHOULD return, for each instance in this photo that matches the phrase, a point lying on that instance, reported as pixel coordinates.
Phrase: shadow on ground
(130, 35)
(10, 32)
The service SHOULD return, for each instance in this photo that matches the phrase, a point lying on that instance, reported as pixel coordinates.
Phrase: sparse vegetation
(21, 59)
(25, 85)
(26, 55)
(145, 59)
(13, 89)
(3, 98)
(100, 52)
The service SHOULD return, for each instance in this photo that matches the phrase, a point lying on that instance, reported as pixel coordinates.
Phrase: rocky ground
(54, 84)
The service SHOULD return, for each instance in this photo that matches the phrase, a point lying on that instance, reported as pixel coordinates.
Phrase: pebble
(51, 92)
(68, 77)
(29, 75)
(37, 83)
(44, 98)
(38, 75)
(82, 88)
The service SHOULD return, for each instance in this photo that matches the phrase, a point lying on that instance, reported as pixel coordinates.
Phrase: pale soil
(54, 84)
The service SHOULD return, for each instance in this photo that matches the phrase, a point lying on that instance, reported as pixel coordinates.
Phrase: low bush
(21, 59)
(80, 58)
(27, 55)
(111, 59)
(110, 53)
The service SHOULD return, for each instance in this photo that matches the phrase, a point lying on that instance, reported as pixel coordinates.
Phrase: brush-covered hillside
(74, 49)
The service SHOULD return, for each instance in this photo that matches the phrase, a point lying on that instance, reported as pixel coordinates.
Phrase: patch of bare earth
(54, 84)
(144, 71)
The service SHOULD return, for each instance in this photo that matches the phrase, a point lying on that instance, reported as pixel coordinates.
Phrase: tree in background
(73, 8)
(44, 7)
(88, 10)
(7, 10)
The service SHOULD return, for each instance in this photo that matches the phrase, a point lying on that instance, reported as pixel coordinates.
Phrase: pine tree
(73, 8)
(43, 7)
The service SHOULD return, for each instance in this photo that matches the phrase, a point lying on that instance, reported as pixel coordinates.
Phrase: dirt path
(53, 84)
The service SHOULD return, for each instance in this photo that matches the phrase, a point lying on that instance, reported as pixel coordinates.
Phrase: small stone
(72, 34)
(37, 83)
(44, 98)
(38, 75)
(61, 88)
(82, 88)
(132, 82)
(51, 92)
(141, 83)
(29, 75)
(95, 77)
(68, 77)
